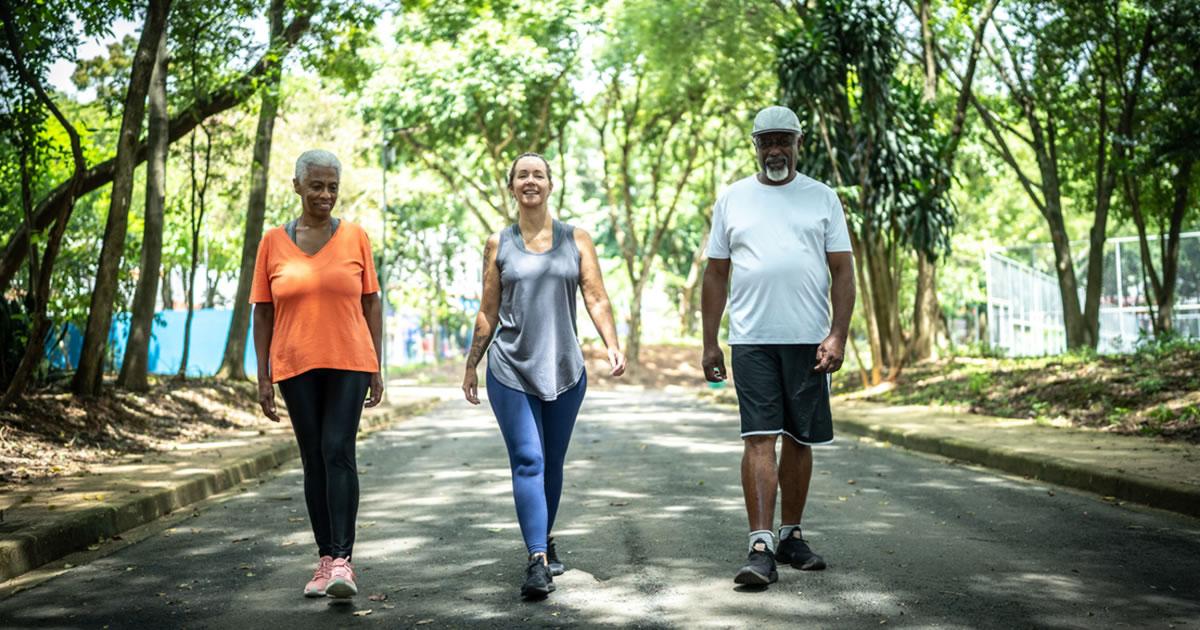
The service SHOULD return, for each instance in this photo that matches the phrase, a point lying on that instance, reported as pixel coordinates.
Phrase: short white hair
(316, 157)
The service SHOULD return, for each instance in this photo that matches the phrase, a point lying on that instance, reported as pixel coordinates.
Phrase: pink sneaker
(341, 580)
(320, 578)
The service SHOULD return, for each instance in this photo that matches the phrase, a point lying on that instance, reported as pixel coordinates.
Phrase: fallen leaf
(249, 574)
(851, 482)
(287, 543)
(363, 613)
(423, 622)
(841, 498)
(295, 519)
(377, 597)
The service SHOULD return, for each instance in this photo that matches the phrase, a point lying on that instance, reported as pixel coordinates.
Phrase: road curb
(1176, 497)
(47, 540)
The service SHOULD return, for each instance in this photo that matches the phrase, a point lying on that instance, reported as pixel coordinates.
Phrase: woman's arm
(485, 320)
(372, 306)
(595, 298)
(264, 327)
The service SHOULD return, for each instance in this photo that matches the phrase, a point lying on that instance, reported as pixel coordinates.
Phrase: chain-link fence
(1024, 306)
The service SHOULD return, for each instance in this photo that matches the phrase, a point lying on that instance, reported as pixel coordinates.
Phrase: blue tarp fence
(210, 328)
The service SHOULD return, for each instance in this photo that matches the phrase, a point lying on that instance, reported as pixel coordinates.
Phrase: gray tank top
(536, 350)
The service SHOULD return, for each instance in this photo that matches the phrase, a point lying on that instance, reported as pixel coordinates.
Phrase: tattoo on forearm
(479, 343)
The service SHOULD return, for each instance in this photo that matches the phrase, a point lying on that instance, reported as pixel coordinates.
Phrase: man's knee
(760, 445)
(797, 448)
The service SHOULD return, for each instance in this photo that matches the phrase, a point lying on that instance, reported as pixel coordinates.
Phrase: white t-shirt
(777, 238)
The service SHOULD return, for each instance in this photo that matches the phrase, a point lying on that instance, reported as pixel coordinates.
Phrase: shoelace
(324, 569)
(348, 570)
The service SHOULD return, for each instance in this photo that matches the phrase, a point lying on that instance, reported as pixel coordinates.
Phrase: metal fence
(1024, 305)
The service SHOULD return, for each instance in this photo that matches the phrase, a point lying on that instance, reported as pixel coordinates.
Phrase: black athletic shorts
(778, 392)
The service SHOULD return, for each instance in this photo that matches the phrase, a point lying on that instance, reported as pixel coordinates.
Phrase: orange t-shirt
(319, 321)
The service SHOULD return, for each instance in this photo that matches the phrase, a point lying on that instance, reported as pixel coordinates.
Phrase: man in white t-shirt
(784, 236)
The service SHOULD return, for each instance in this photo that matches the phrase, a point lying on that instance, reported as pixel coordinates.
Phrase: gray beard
(777, 174)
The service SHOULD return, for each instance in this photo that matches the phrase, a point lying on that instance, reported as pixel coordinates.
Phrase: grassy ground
(1153, 392)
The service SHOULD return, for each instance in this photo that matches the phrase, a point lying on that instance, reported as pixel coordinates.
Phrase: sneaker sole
(536, 593)
(811, 565)
(557, 569)
(341, 589)
(314, 594)
(750, 577)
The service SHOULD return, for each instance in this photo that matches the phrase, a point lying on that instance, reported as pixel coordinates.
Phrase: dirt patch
(51, 433)
(1153, 392)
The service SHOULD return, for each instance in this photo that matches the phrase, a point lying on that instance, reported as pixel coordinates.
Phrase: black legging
(325, 406)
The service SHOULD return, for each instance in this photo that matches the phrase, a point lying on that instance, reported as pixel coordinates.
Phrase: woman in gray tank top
(535, 373)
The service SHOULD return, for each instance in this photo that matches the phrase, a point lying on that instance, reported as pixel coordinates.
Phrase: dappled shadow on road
(652, 528)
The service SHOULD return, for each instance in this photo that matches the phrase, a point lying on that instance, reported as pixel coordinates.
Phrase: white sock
(763, 536)
(785, 531)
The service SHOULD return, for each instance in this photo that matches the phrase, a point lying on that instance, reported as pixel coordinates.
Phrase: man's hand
(830, 354)
(376, 390)
(713, 361)
(266, 398)
(470, 386)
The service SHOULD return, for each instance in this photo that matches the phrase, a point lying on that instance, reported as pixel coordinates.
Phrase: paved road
(653, 530)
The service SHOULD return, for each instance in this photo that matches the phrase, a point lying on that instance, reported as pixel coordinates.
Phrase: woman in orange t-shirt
(318, 332)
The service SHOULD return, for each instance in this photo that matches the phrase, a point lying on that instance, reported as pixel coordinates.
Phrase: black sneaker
(556, 565)
(759, 569)
(538, 582)
(795, 551)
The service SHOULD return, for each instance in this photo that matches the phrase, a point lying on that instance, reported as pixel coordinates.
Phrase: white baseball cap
(776, 118)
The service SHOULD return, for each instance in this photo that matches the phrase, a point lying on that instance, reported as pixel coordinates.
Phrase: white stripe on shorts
(794, 438)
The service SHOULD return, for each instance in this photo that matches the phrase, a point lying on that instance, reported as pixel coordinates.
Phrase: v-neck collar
(313, 255)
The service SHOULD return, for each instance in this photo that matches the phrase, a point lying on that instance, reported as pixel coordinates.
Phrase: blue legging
(536, 433)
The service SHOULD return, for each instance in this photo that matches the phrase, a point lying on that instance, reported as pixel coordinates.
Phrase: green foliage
(108, 76)
(462, 97)
(869, 132)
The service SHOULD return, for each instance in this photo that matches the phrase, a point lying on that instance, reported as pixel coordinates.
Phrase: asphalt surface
(652, 530)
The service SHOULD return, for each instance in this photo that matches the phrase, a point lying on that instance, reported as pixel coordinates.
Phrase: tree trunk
(925, 302)
(925, 309)
(197, 221)
(211, 281)
(168, 290)
(233, 364)
(34, 348)
(884, 301)
(868, 311)
(135, 366)
(1106, 175)
(1170, 254)
(95, 337)
(633, 341)
(688, 301)
(1078, 336)
(227, 97)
